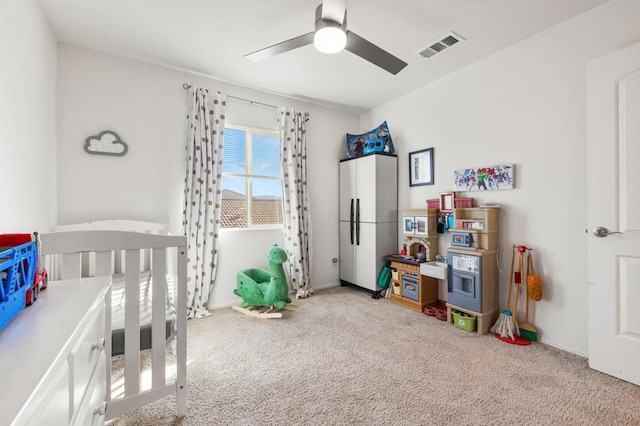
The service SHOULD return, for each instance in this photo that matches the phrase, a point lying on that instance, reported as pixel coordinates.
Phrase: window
(251, 178)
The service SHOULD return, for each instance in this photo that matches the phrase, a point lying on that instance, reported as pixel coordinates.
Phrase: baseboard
(225, 304)
(563, 347)
(228, 303)
(326, 285)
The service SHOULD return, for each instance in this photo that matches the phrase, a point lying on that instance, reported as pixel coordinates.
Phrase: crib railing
(88, 260)
(68, 248)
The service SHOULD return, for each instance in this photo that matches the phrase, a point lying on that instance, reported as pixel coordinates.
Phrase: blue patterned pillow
(377, 140)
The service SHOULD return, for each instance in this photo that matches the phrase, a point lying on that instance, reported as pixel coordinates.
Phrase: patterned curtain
(202, 196)
(296, 207)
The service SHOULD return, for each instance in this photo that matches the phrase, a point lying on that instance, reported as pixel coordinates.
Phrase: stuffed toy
(259, 287)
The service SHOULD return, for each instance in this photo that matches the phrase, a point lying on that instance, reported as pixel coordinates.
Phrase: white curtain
(296, 207)
(201, 215)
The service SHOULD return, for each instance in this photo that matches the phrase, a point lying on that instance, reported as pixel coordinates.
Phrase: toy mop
(506, 324)
(506, 328)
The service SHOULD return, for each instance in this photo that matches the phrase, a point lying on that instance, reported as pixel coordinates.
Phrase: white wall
(146, 106)
(525, 105)
(28, 88)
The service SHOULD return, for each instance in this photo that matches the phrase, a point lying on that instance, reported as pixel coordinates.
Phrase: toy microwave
(462, 239)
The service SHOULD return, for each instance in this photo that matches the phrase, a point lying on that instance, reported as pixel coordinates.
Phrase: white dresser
(53, 359)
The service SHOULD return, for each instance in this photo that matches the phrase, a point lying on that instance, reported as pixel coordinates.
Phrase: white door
(366, 175)
(376, 241)
(347, 189)
(347, 252)
(366, 255)
(613, 201)
(347, 220)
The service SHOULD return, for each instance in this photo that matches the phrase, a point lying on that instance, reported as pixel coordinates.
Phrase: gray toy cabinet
(368, 218)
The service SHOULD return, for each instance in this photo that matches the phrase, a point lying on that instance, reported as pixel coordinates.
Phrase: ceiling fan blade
(334, 10)
(372, 53)
(279, 48)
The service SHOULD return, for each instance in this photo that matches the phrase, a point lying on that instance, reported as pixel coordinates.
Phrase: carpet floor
(341, 357)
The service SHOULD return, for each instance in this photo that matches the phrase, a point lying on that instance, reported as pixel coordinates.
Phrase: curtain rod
(306, 114)
(188, 86)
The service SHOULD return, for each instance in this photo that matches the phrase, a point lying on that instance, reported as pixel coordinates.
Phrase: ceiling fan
(331, 36)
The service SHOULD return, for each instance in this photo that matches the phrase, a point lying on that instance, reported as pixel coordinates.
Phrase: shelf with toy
(484, 319)
(485, 219)
(475, 229)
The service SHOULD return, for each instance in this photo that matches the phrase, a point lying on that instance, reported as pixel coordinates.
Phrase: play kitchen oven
(410, 285)
(464, 284)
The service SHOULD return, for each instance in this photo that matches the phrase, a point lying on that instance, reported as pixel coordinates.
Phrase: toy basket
(396, 288)
(464, 321)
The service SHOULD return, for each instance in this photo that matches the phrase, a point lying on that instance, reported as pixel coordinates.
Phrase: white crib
(151, 269)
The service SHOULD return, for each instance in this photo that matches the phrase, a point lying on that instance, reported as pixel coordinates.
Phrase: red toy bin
(463, 203)
(433, 203)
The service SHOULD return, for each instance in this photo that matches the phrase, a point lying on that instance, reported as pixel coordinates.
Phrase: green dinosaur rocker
(258, 287)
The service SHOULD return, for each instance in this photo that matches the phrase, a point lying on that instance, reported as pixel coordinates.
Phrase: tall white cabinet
(368, 218)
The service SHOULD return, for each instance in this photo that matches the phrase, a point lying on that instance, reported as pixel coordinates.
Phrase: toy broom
(534, 286)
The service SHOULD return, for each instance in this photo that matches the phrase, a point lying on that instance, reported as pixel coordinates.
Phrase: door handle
(358, 221)
(351, 221)
(602, 232)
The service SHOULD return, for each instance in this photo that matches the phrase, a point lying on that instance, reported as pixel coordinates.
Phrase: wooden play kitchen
(409, 288)
(471, 270)
(420, 244)
(472, 284)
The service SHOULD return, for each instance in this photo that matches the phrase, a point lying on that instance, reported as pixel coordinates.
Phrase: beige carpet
(343, 358)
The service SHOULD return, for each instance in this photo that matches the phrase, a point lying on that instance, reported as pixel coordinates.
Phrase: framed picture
(421, 167)
(447, 201)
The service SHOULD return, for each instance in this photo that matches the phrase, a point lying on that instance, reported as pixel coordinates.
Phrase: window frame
(249, 176)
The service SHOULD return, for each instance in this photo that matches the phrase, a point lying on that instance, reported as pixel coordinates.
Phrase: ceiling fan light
(330, 39)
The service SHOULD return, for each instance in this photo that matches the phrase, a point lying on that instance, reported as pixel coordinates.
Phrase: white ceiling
(211, 37)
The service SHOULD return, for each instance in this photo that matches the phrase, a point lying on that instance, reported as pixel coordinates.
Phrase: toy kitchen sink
(434, 269)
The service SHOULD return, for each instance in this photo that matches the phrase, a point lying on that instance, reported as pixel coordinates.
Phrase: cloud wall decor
(106, 143)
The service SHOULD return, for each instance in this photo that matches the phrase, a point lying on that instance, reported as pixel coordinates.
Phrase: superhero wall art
(376, 141)
(484, 178)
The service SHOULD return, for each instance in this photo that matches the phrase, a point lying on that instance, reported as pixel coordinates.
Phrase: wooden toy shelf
(481, 224)
(474, 241)
(482, 219)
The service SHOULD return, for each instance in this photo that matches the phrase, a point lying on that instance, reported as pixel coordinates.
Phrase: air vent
(446, 42)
